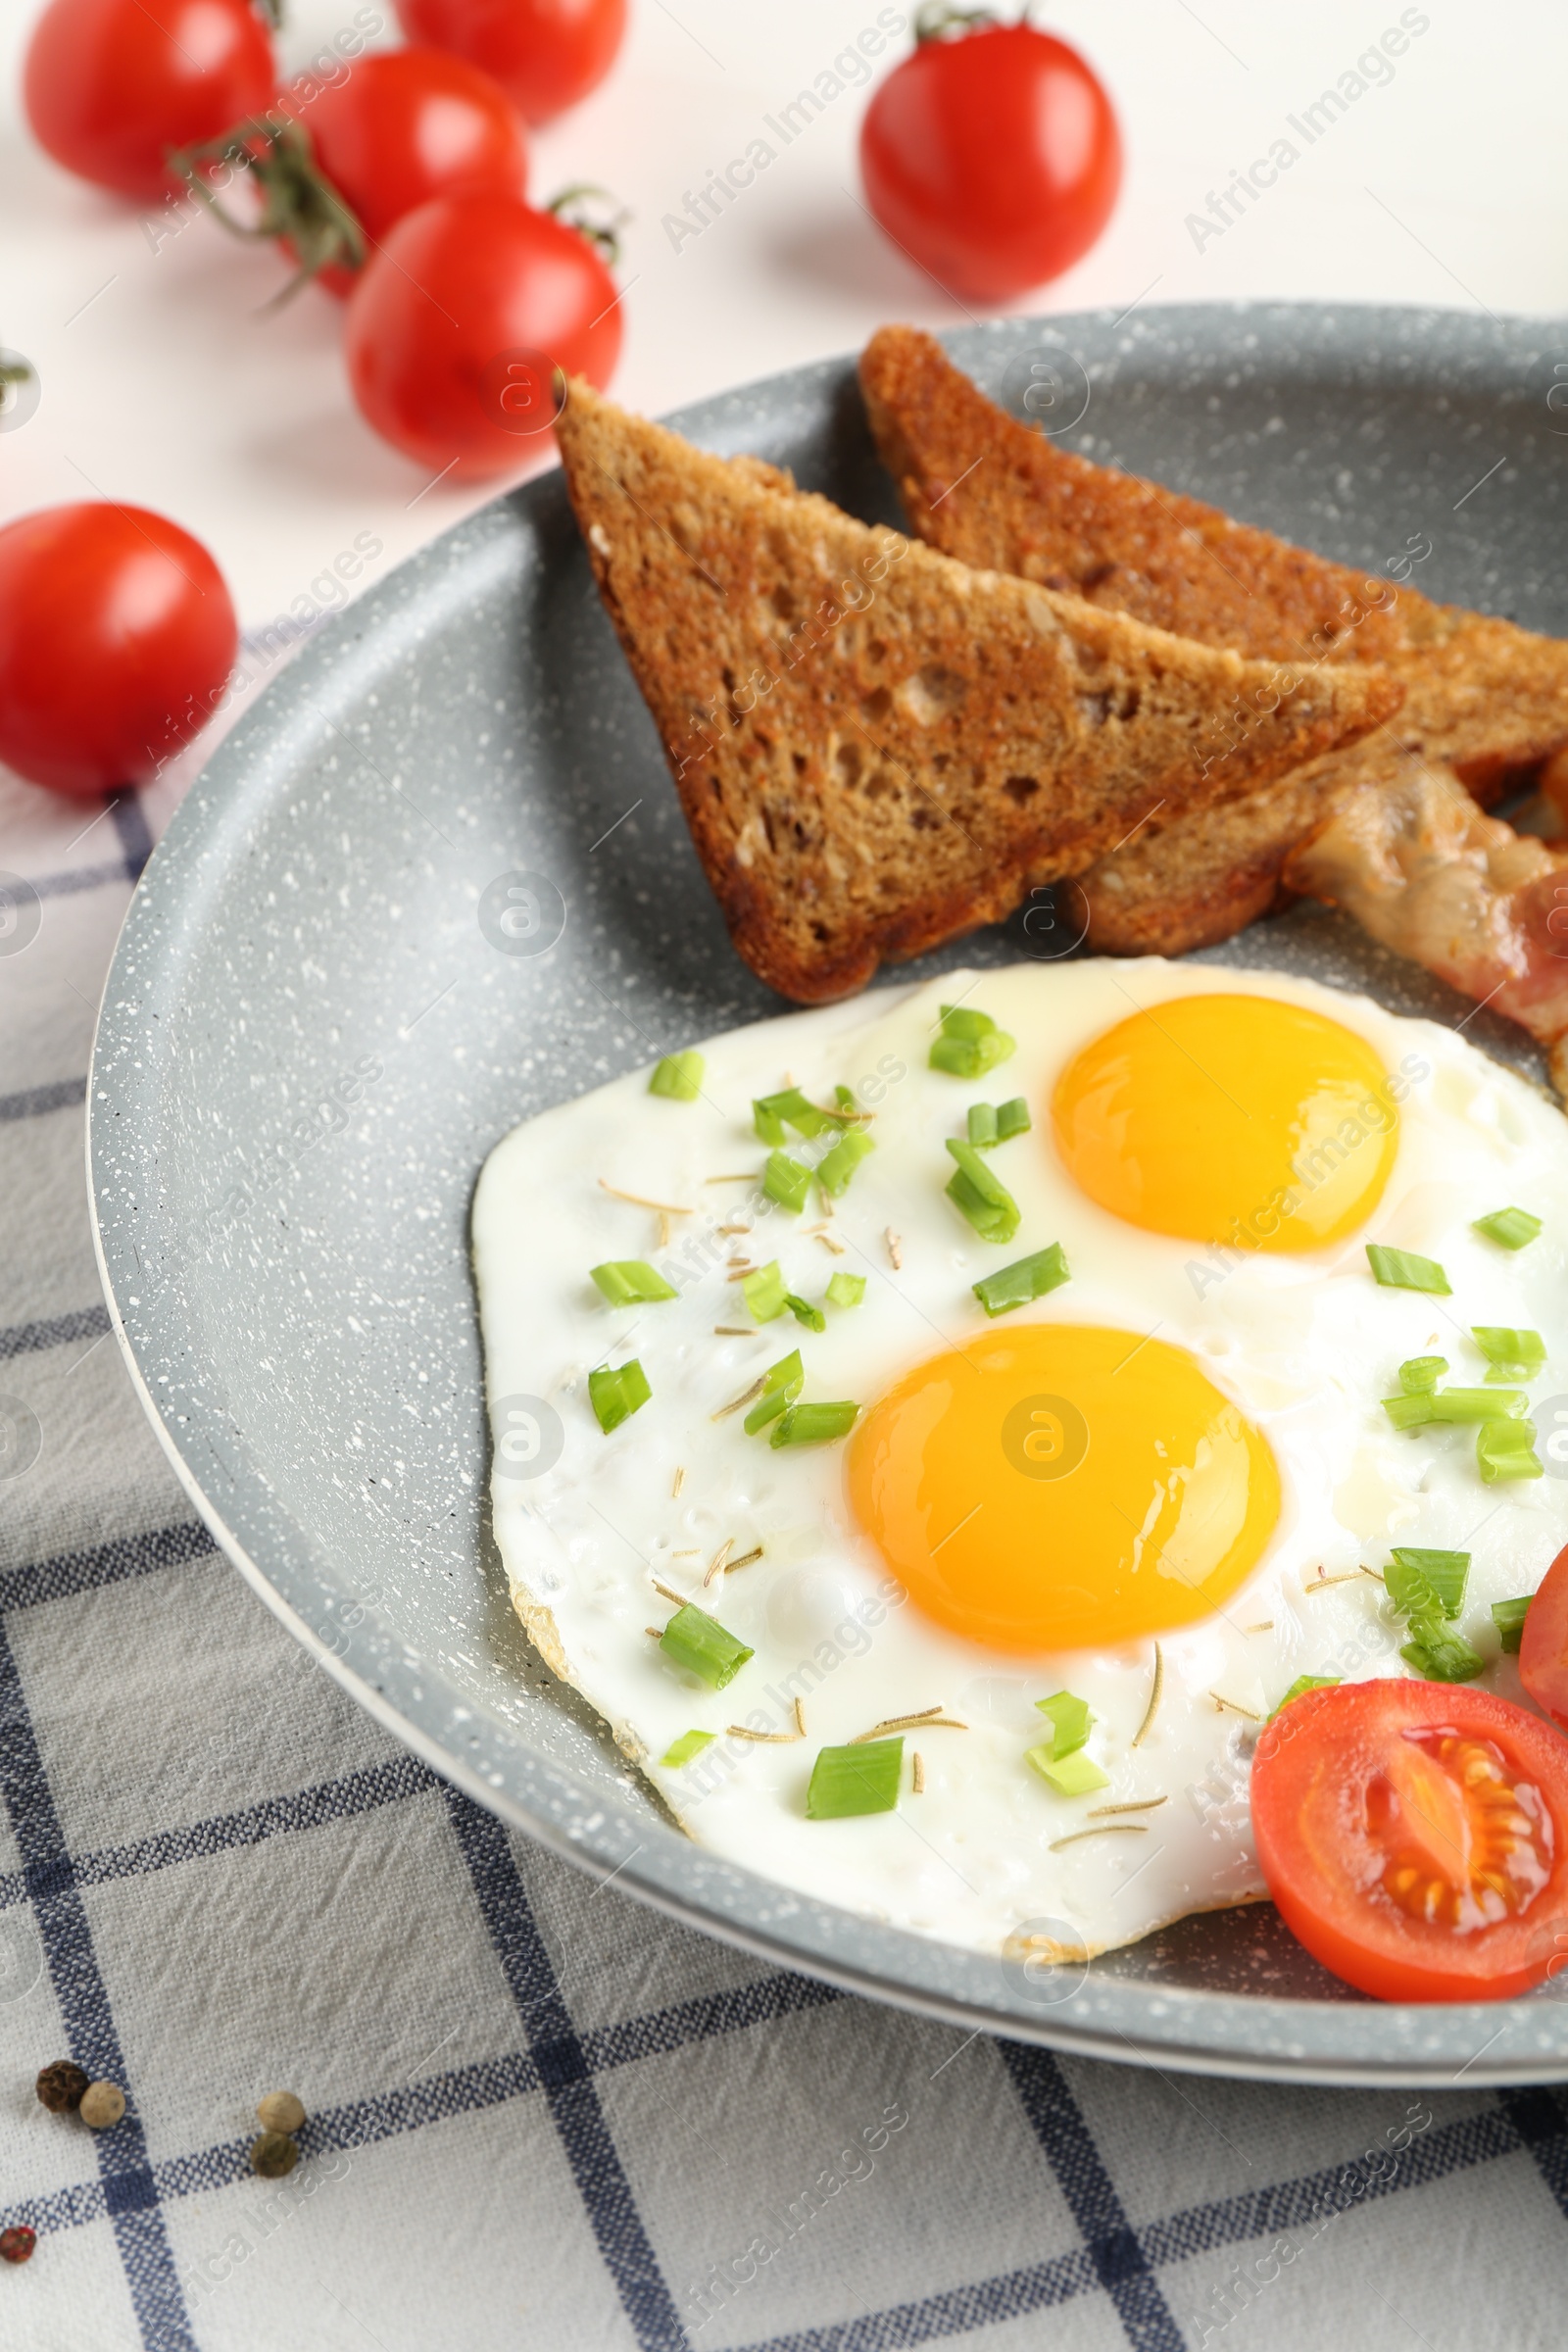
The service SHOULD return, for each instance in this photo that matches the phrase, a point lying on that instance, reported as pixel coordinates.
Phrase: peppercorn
(273, 2155)
(60, 2087)
(280, 2111)
(102, 2105)
(16, 2245)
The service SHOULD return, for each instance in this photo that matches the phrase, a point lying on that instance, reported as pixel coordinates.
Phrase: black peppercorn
(60, 2087)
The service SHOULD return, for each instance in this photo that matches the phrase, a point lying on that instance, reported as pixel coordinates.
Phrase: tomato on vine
(458, 323)
(338, 166)
(117, 637)
(545, 54)
(111, 85)
(991, 155)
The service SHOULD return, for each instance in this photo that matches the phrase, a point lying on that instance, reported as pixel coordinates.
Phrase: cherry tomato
(1414, 1837)
(545, 54)
(1543, 1643)
(994, 159)
(110, 85)
(405, 126)
(116, 634)
(457, 323)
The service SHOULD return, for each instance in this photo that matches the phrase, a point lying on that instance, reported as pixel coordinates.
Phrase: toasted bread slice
(1212, 875)
(1206, 876)
(1482, 697)
(995, 493)
(876, 748)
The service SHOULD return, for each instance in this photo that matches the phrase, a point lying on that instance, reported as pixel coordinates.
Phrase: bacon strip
(1429, 876)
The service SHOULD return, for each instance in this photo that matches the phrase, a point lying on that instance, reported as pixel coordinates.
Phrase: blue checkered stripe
(563, 2066)
(1118, 2267)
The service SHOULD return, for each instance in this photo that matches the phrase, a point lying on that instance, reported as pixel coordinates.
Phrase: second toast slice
(1482, 697)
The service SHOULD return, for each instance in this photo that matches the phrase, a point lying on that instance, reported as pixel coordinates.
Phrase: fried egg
(1159, 1490)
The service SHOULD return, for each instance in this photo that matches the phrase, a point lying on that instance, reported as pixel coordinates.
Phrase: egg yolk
(1234, 1119)
(1060, 1486)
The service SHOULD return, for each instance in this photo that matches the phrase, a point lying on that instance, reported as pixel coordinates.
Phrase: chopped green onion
(630, 1282)
(991, 1124)
(1439, 1656)
(1421, 1582)
(959, 1020)
(1305, 1683)
(863, 1778)
(1478, 1404)
(698, 1643)
(1428, 1588)
(764, 1293)
(975, 1192)
(617, 1395)
(1070, 1775)
(1070, 1723)
(786, 1181)
(823, 1120)
(689, 1745)
(1457, 1406)
(1509, 1616)
(845, 1290)
(844, 1096)
(835, 1168)
(1520, 1353)
(970, 1043)
(805, 1312)
(1403, 1270)
(679, 1076)
(772, 1113)
(815, 1424)
(1419, 1375)
(1506, 1449)
(1025, 1280)
(781, 1385)
(1512, 1228)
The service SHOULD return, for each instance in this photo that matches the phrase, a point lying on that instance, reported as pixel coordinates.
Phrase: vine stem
(298, 200)
(603, 234)
(947, 20)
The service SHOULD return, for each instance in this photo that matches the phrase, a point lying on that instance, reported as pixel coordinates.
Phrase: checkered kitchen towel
(540, 2115)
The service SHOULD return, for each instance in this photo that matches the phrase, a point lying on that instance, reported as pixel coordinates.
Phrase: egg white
(1307, 1345)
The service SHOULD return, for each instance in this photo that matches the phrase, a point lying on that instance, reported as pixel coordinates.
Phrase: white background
(168, 389)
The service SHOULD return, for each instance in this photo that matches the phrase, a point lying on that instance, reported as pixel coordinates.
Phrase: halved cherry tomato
(545, 54)
(457, 324)
(1543, 1643)
(111, 85)
(1414, 1837)
(993, 157)
(117, 635)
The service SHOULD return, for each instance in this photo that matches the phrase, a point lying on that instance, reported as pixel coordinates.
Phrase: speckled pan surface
(309, 1044)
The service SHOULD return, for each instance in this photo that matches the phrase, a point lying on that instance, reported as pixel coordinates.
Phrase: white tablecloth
(542, 2115)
